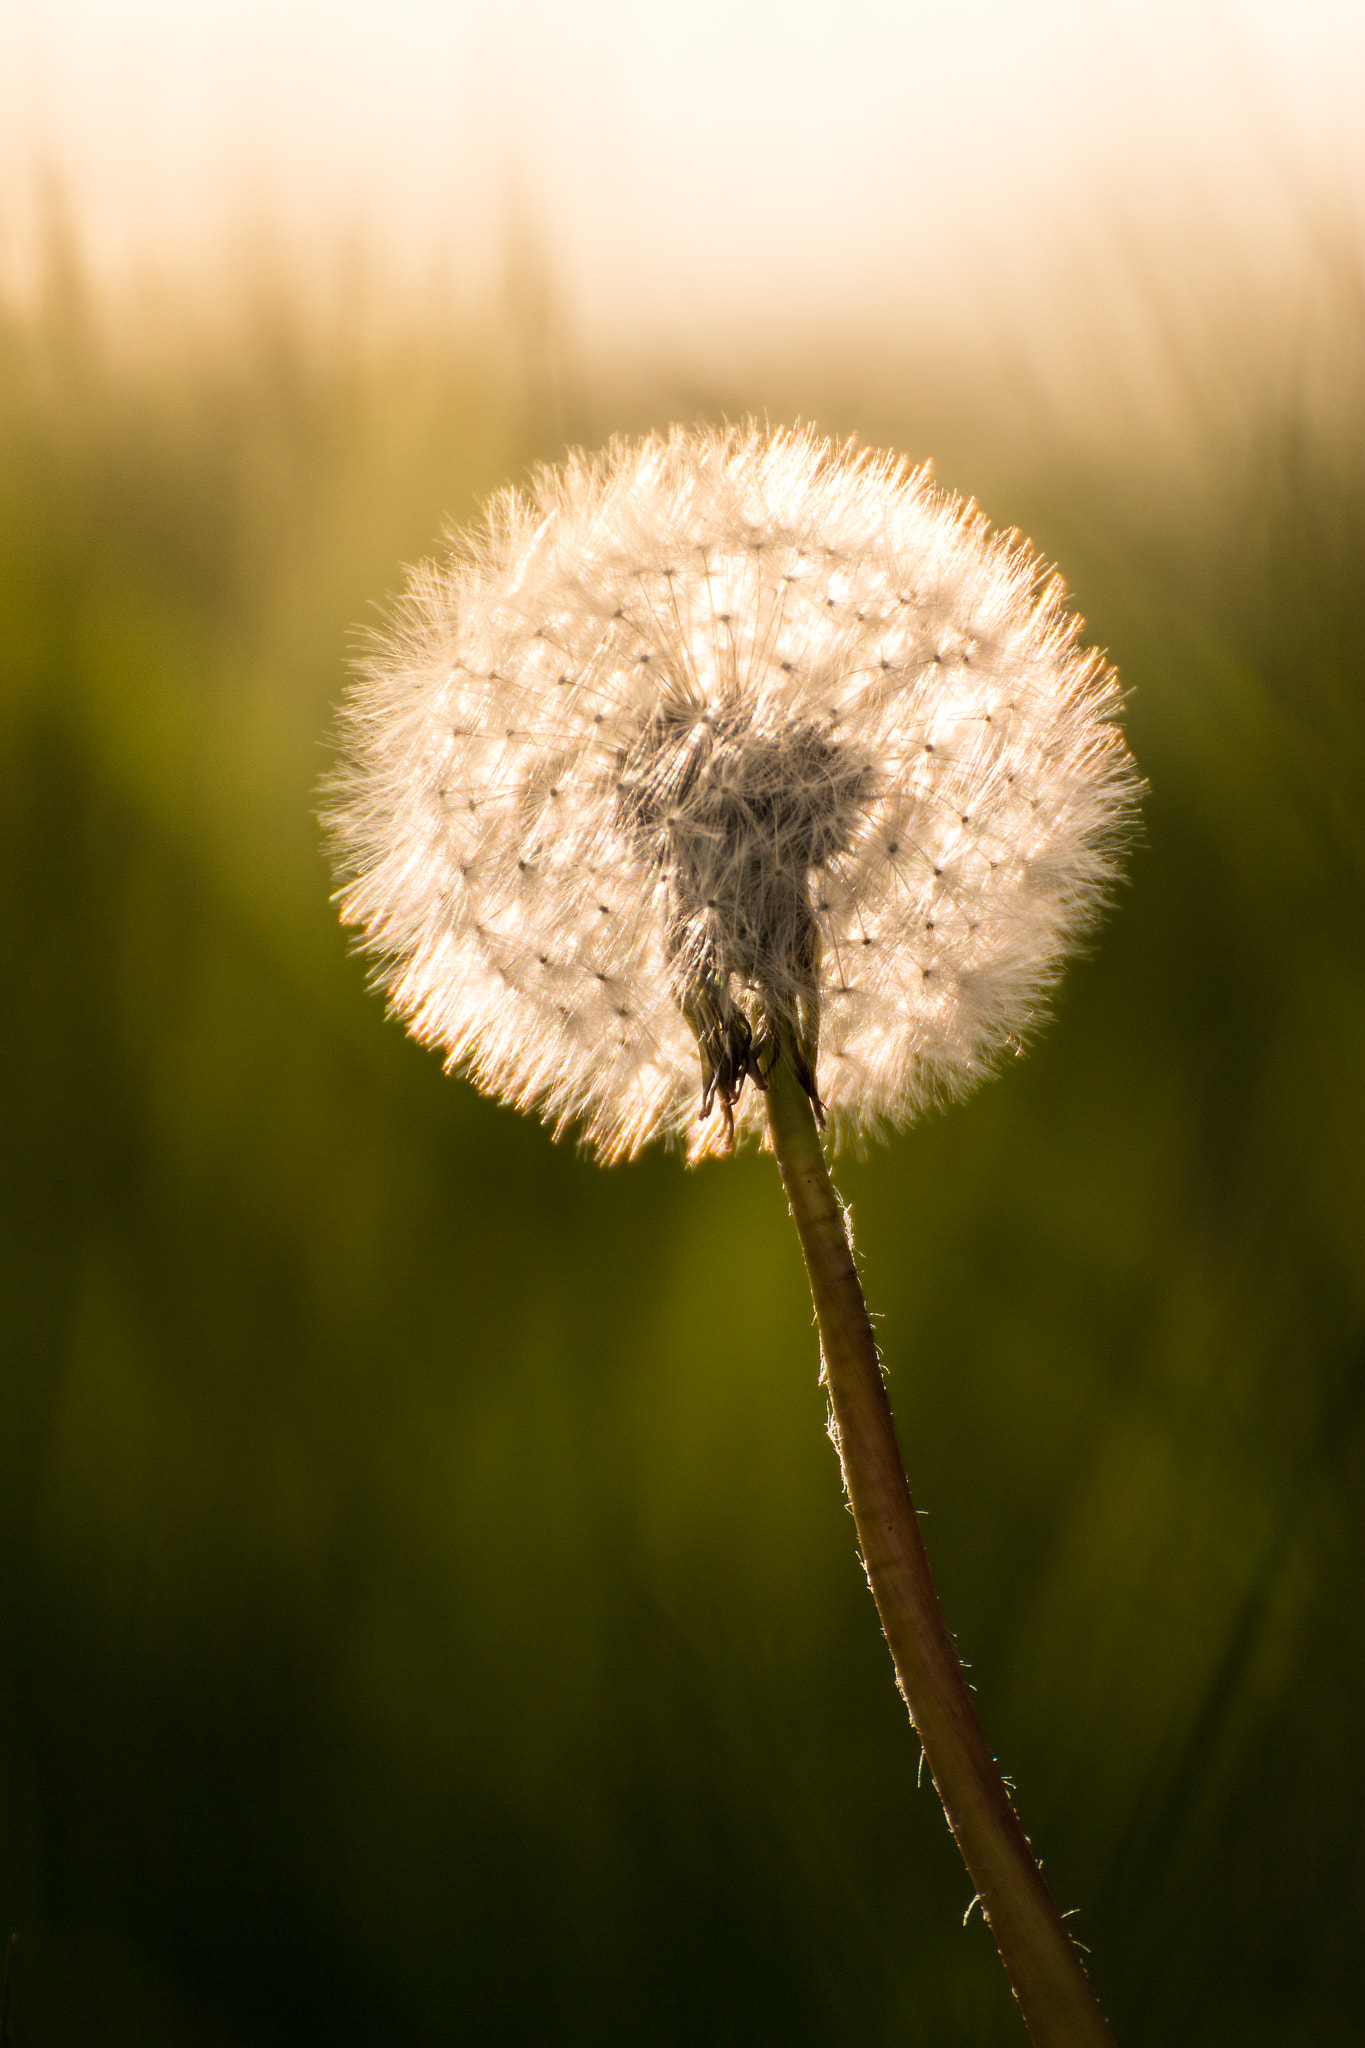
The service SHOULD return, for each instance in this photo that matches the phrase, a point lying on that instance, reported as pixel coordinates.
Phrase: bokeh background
(427, 1612)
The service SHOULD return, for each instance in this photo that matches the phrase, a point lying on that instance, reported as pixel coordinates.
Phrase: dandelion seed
(690, 666)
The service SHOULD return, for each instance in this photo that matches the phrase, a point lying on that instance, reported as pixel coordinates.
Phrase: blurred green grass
(426, 1608)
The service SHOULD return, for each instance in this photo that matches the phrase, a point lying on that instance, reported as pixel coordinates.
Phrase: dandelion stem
(1054, 1994)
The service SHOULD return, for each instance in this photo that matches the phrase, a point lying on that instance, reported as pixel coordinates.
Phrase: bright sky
(687, 162)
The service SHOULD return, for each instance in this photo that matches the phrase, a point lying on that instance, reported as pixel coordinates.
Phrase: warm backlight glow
(682, 166)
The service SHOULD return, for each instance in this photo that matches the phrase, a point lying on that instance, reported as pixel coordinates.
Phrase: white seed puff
(715, 738)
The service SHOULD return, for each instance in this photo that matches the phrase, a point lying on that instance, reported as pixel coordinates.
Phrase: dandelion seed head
(718, 740)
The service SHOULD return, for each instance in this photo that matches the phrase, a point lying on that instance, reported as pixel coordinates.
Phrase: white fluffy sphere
(718, 736)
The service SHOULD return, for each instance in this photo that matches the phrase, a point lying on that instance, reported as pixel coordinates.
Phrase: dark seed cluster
(740, 823)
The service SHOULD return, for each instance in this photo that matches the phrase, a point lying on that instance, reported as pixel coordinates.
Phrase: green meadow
(427, 1610)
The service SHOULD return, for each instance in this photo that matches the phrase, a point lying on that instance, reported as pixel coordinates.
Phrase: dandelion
(735, 782)
(713, 737)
